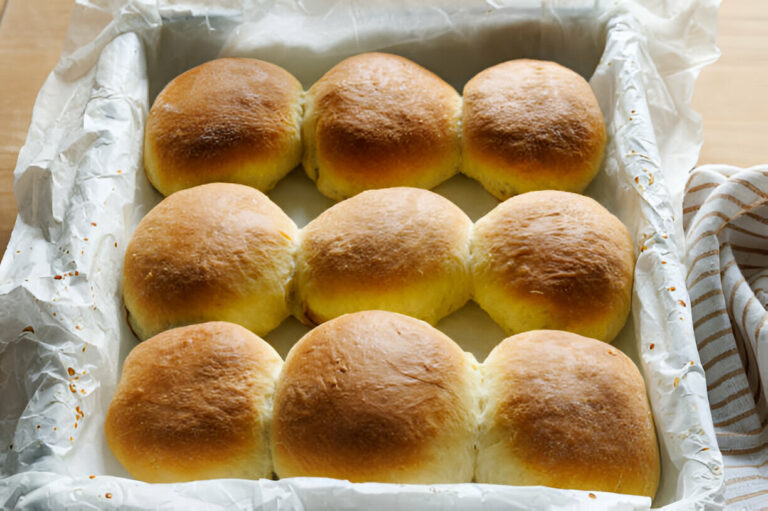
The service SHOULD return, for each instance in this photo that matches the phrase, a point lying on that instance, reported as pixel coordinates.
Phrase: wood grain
(730, 94)
(32, 34)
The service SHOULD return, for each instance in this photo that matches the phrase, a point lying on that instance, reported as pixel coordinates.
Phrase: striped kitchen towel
(725, 216)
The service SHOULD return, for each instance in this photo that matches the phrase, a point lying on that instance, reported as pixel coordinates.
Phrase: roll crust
(553, 260)
(194, 403)
(214, 252)
(231, 119)
(399, 249)
(376, 396)
(531, 125)
(568, 412)
(377, 120)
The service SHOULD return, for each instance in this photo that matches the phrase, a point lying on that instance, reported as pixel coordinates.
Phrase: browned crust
(574, 411)
(367, 395)
(200, 254)
(382, 120)
(559, 250)
(385, 239)
(533, 119)
(192, 399)
(219, 116)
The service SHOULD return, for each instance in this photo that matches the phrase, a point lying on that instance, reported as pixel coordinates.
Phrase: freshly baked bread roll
(531, 125)
(376, 396)
(398, 249)
(235, 120)
(554, 260)
(566, 411)
(377, 120)
(195, 403)
(213, 252)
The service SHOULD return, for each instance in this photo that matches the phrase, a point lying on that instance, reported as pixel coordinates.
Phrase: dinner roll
(531, 125)
(565, 411)
(553, 260)
(214, 252)
(376, 396)
(398, 249)
(235, 120)
(195, 403)
(377, 120)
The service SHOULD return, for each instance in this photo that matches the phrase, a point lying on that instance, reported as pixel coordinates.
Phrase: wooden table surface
(730, 94)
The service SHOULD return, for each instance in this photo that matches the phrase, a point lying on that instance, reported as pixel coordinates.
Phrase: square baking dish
(81, 190)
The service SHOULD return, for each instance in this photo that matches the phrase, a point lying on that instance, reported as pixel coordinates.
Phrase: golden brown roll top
(195, 403)
(231, 119)
(398, 249)
(377, 120)
(376, 396)
(531, 125)
(565, 411)
(214, 252)
(553, 260)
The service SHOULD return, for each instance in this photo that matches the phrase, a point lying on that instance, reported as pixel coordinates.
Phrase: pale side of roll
(531, 125)
(565, 411)
(213, 252)
(376, 396)
(399, 249)
(553, 260)
(377, 120)
(195, 403)
(228, 120)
